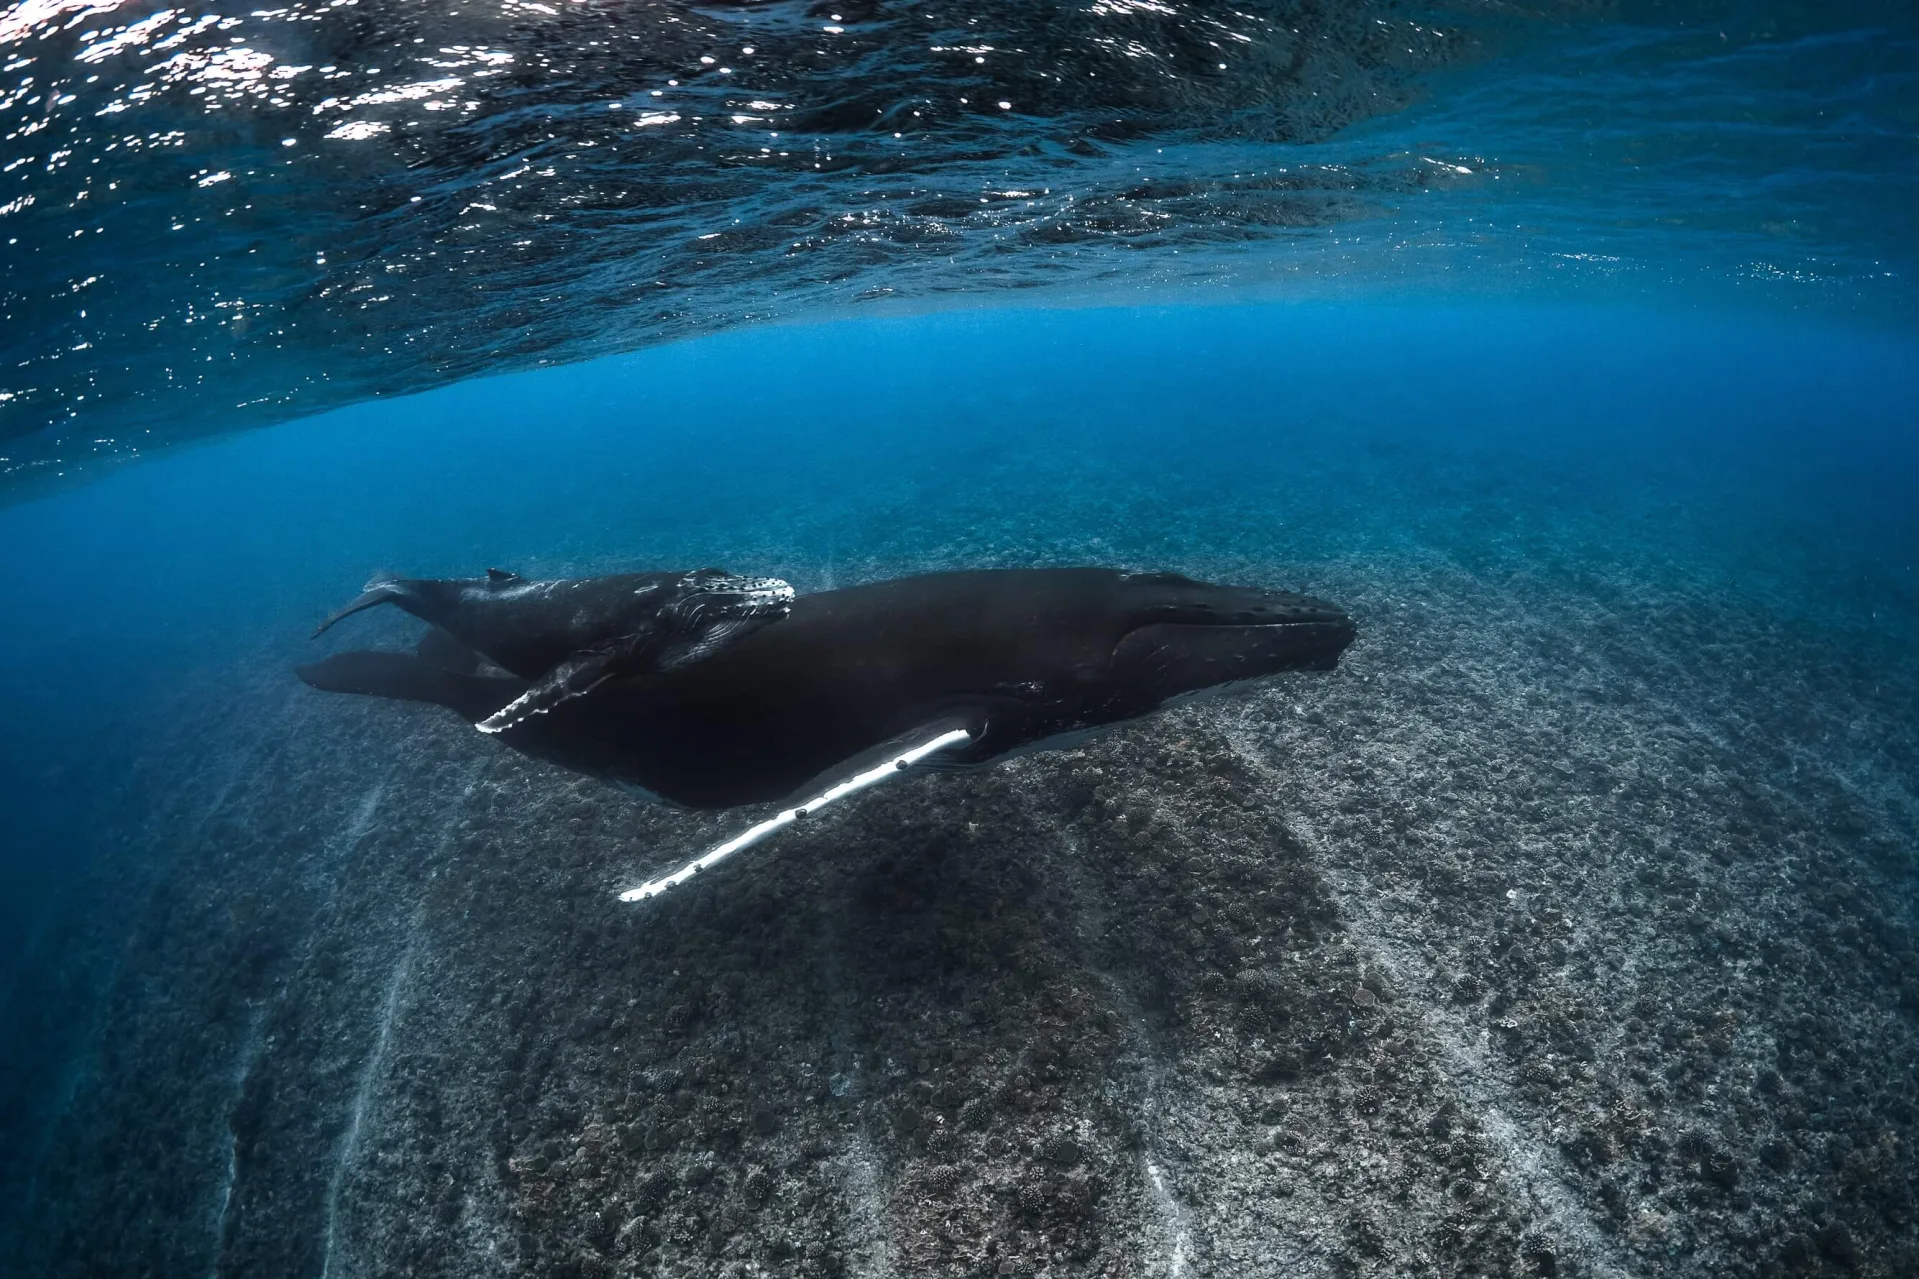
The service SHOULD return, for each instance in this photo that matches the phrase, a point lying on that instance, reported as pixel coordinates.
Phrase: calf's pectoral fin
(574, 677)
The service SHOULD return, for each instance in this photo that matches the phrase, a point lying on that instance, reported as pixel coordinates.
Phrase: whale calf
(851, 682)
(567, 636)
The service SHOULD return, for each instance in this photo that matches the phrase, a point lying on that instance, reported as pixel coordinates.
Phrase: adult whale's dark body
(1014, 656)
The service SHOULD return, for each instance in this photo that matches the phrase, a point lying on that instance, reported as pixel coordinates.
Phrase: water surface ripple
(216, 215)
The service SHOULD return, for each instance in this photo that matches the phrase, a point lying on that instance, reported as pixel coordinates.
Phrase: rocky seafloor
(1567, 929)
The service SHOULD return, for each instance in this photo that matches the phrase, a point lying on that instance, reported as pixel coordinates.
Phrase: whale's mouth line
(1341, 620)
(1337, 623)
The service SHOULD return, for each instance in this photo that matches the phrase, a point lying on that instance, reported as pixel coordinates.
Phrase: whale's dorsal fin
(499, 576)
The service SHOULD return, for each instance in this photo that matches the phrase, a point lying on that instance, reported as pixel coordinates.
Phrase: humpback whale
(567, 636)
(940, 670)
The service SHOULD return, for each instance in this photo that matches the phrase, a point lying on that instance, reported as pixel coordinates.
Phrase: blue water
(1004, 437)
(1573, 348)
(1775, 462)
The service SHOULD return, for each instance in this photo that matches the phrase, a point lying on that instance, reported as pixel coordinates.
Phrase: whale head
(1074, 649)
(1183, 637)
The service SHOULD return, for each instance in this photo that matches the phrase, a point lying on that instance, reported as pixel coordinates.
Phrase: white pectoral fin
(893, 764)
(572, 678)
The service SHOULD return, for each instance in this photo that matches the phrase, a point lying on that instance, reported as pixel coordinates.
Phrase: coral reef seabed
(1565, 930)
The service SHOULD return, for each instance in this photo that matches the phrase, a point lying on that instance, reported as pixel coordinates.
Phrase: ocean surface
(1570, 927)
